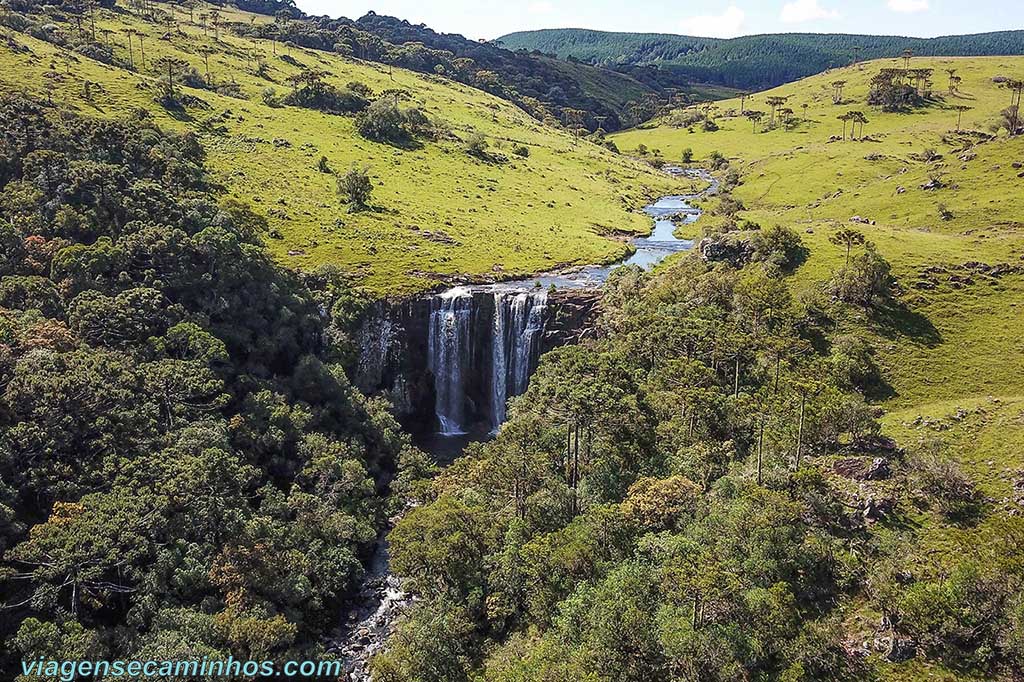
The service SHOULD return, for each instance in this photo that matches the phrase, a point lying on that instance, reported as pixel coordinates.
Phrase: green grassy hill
(439, 212)
(951, 344)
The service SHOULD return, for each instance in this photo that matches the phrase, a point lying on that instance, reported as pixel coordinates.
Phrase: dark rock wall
(393, 359)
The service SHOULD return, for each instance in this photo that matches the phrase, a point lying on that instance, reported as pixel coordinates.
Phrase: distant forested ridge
(749, 62)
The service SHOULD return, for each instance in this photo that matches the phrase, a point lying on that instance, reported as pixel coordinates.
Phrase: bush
(270, 98)
(355, 188)
(866, 279)
(728, 205)
(944, 483)
(360, 88)
(717, 161)
(383, 122)
(853, 361)
(476, 145)
(521, 150)
(779, 246)
(685, 118)
(687, 156)
(312, 92)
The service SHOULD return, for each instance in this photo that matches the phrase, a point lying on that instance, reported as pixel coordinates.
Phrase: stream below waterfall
(514, 318)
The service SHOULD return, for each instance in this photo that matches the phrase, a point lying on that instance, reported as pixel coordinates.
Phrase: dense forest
(694, 495)
(186, 470)
(750, 62)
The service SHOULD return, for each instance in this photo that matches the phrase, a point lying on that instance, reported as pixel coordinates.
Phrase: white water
(449, 355)
(518, 326)
(518, 322)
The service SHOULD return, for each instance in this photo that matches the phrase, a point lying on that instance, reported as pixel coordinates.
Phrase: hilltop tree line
(540, 88)
(185, 469)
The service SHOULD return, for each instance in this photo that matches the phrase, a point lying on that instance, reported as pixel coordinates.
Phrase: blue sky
(728, 18)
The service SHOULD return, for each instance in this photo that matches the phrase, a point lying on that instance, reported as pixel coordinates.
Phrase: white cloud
(799, 11)
(540, 7)
(908, 6)
(728, 24)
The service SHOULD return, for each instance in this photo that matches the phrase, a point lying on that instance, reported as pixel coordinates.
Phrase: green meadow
(438, 213)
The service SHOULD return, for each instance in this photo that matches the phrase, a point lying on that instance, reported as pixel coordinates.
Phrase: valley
(354, 341)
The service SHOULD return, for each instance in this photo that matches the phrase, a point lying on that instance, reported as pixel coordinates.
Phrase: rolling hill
(439, 212)
(750, 62)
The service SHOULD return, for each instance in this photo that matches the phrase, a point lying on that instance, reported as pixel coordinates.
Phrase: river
(371, 617)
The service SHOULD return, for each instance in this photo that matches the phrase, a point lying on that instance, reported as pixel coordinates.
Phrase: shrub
(355, 188)
(944, 483)
(853, 361)
(521, 150)
(360, 88)
(728, 205)
(685, 118)
(866, 279)
(313, 92)
(717, 161)
(476, 144)
(382, 122)
(687, 156)
(779, 246)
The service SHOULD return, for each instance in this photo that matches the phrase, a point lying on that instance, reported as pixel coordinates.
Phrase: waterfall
(515, 345)
(457, 353)
(449, 356)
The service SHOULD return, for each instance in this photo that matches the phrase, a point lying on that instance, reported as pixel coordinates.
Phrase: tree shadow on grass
(894, 320)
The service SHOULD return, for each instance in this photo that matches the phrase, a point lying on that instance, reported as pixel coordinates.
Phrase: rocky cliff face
(469, 348)
(573, 313)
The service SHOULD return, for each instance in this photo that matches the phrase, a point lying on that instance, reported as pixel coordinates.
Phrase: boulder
(735, 251)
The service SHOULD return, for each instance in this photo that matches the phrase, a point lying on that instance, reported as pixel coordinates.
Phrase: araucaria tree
(845, 118)
(755, 117)
(775, 102)
(837, 91)
(856, 118)
(1011, 115)
(169, 69)
(847, 238)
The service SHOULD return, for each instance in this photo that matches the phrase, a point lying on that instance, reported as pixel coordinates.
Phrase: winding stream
(375, 609)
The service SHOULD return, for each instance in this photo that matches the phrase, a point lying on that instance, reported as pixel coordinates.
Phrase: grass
(438, 212)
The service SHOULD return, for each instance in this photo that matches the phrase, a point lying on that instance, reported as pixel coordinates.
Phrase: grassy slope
(604, 84)
(523, 216)
(949, 348)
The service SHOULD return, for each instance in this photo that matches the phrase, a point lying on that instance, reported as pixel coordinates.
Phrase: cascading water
(518, 326)
(519, 318)
(449, 356)
(461, 377)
